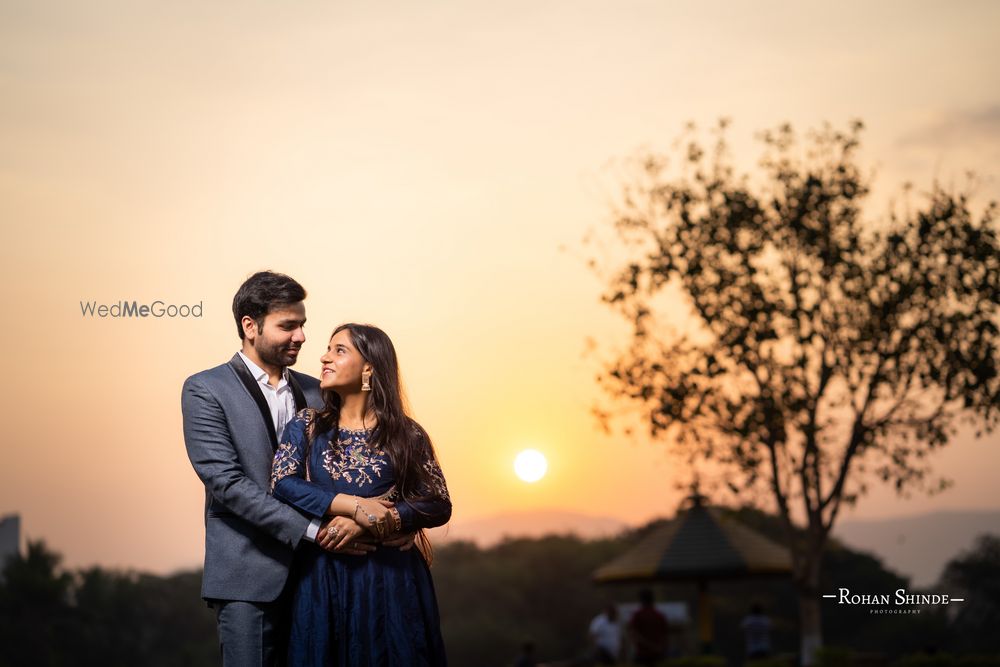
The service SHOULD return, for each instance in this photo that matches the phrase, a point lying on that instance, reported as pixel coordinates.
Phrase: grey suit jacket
(249, 535)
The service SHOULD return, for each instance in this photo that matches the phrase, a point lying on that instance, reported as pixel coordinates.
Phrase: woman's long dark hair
(403, 440)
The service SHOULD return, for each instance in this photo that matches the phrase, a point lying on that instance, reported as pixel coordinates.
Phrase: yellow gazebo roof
(702, 543)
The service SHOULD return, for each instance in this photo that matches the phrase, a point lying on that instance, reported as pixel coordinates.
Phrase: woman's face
(342, 364)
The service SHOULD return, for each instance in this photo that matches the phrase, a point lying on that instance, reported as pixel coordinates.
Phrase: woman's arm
(434, 507)
(288, 483)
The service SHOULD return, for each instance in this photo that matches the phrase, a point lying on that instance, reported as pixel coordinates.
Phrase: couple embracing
(316, 495)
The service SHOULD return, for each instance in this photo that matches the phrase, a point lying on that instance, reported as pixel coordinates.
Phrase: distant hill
(488, 531)
(919, 546)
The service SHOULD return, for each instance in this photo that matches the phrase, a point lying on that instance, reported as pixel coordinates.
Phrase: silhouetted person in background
(648, 631)
(757, 630)
(526, 658)
(606, 634)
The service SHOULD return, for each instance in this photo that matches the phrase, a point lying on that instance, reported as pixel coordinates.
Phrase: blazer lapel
(243, 373)
(300, 398)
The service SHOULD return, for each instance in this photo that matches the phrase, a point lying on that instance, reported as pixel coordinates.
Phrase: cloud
(959, 129)
(959, 149)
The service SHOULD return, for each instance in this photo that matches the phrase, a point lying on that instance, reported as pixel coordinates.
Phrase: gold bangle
(397, 520)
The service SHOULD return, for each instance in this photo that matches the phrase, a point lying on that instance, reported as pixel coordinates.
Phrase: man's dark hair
(262, 293)
(646, 596)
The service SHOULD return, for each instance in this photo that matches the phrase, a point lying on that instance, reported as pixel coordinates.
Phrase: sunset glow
(530, 465)
(430, 168)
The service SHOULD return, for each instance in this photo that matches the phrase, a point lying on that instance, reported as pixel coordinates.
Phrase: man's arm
(210, 447)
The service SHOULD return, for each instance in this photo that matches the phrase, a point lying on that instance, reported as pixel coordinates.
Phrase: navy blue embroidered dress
(377, 609)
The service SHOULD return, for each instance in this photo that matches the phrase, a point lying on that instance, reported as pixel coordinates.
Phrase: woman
(363, 461)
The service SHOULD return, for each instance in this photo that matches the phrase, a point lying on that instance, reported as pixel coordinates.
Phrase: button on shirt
(280, 400)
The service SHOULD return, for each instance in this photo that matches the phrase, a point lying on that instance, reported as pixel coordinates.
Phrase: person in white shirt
(606, 635)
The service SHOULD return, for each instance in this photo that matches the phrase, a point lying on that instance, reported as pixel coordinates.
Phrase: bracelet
(357, 506)
(396, 520)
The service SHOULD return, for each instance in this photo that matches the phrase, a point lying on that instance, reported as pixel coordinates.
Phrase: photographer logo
(899, 602)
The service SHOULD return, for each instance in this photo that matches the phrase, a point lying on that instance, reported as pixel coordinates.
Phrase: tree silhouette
(49, 616)
(976, 575)
(36, 616)
(823, 351)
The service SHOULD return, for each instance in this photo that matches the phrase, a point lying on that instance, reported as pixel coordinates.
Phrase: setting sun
(530, 465)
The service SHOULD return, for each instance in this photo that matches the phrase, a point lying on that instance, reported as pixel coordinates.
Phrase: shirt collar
(260, 374)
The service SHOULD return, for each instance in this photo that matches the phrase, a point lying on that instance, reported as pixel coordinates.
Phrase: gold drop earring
(366, 377)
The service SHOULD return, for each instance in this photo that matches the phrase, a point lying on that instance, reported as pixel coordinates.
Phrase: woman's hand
(344, 536)
(373, 514)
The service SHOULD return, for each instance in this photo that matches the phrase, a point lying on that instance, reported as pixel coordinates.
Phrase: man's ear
(249, 328)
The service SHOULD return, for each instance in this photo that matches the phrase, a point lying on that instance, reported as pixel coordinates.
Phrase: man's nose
(299, 335)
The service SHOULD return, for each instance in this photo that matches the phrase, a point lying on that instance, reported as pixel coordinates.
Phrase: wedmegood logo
(157, 308)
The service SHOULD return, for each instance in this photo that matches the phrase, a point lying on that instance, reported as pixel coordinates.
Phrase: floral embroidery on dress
(351, 458)
(285, 463)
(435, 475)
(436, 487)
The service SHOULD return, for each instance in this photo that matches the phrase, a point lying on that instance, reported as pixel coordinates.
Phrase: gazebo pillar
(705, 624)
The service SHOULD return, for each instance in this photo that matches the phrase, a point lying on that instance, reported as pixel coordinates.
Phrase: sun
(530, 465)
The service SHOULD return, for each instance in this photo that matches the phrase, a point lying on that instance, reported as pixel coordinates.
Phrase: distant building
(10, 537)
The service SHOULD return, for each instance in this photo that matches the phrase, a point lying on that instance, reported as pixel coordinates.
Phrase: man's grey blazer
(249, 535)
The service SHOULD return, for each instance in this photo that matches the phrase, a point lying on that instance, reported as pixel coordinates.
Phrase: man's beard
(276, 355)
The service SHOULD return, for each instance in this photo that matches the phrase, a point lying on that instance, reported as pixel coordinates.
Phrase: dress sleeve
(288, 472)
(434, 507)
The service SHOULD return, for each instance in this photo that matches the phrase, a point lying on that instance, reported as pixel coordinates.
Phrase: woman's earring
(366, 376)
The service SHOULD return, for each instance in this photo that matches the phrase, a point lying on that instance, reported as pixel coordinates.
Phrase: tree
(824, 350)
(49, 616)
(35, 614)
(975, 575)
(493, 600)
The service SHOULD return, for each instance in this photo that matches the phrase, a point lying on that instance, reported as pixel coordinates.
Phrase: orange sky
(419, 167)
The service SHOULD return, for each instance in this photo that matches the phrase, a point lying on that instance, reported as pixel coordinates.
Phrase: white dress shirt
(281, 402)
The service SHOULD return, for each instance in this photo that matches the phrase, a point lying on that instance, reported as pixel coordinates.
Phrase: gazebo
(700, 545)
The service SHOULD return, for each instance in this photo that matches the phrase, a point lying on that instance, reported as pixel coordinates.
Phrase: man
(606, 634)
(648, 631)
(234, 417)
(757, 632)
